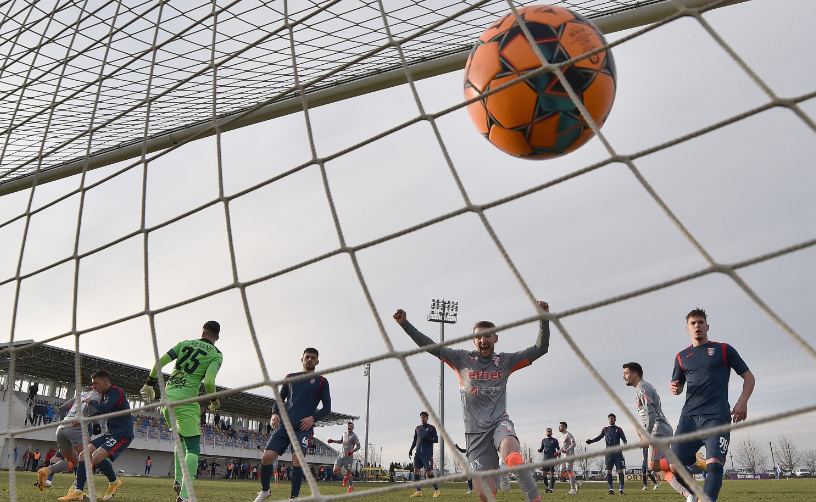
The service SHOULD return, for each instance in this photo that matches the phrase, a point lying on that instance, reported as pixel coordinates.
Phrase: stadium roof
(54, 363)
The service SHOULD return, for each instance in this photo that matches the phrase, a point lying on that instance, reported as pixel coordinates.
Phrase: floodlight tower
(444, 312)
(367, 373)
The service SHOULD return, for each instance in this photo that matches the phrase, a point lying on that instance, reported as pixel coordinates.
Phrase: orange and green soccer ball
(535, 118)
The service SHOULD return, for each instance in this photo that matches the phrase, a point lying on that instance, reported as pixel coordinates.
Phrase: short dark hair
(483, 324)
(549, 428)
(103, 373)
(634, 367)
(564, 424)
(423, 413)
(311, 350)
(698, 312)
(612, 415)
(350, 423)
(212, 327)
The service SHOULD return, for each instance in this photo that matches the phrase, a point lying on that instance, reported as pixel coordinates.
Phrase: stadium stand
(53, 369)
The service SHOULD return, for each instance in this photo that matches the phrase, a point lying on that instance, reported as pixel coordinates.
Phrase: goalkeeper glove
(214, 405)
(96, 429)
(349, 454)
(330, 441)
(147, 391)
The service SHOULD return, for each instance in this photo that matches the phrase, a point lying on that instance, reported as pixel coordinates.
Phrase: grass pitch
(137, 489)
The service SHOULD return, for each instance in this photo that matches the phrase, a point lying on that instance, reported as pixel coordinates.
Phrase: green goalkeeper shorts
(188, 418)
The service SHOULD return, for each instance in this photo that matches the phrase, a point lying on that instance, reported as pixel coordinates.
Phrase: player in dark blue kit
(111, 444)
(424, 439)
(549, 449)
(301, 398)
(704, 368)
(613, 435)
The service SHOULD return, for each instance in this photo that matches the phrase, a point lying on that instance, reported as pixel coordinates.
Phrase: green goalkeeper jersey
(194, 360)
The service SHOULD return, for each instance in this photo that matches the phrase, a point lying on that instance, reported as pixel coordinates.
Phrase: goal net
(298, 170)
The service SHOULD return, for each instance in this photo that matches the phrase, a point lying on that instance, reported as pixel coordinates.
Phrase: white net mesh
(336, 215)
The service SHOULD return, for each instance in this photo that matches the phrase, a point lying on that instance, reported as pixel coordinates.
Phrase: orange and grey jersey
(77, 407)
(651, 413)
(351, 442)
(483, 381)
(568, 443)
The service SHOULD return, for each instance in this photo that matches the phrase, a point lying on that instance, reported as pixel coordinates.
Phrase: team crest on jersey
(312, 380)
(496, 361)
(711, 351)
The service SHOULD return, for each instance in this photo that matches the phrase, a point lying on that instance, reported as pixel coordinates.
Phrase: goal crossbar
(618, 20)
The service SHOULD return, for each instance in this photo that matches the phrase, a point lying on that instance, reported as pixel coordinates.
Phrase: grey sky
(741, 191)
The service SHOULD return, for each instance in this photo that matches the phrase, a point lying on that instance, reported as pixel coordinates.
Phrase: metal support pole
(443, 312)
(441, 402)
(367, 373)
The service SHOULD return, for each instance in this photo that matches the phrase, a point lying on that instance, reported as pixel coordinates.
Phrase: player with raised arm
(351, 443)
(549, 450)
(300, 400)
(197, 361)
(655, 422)
(706, 367)
(69, 438)
(567, 451)
(483, 375)
(112, 443)
(424, 438)
(613, 435)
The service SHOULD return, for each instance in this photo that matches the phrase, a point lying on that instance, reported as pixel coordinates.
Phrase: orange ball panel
(501, 25)
(477, 111)
(484, 66)
(513, 106)
(547, 14)
(508, 141)
(544, 132)
(578, 39)
(598, 97)
(519, 54)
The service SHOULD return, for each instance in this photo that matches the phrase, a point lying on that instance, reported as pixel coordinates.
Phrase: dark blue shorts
(279, 440)
(113, 444)
(617, 461)
(548, 469)
(716, 446)
(423, 463)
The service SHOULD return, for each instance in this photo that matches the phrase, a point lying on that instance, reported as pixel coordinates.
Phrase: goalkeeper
(196, 361)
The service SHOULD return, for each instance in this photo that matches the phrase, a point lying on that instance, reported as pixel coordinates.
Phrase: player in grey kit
(483, 376)
(655, 423)
(351, 443)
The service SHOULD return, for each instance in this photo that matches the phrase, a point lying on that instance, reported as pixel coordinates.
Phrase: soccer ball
(535, 118)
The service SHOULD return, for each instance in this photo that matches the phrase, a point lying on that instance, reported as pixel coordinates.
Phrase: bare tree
(584, 462)
(809, 460)
(787, 453)
(527, 453)
(750, 455)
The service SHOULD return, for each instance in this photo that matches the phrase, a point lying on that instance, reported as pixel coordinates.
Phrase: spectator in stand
(49, 415)
(32, 391)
